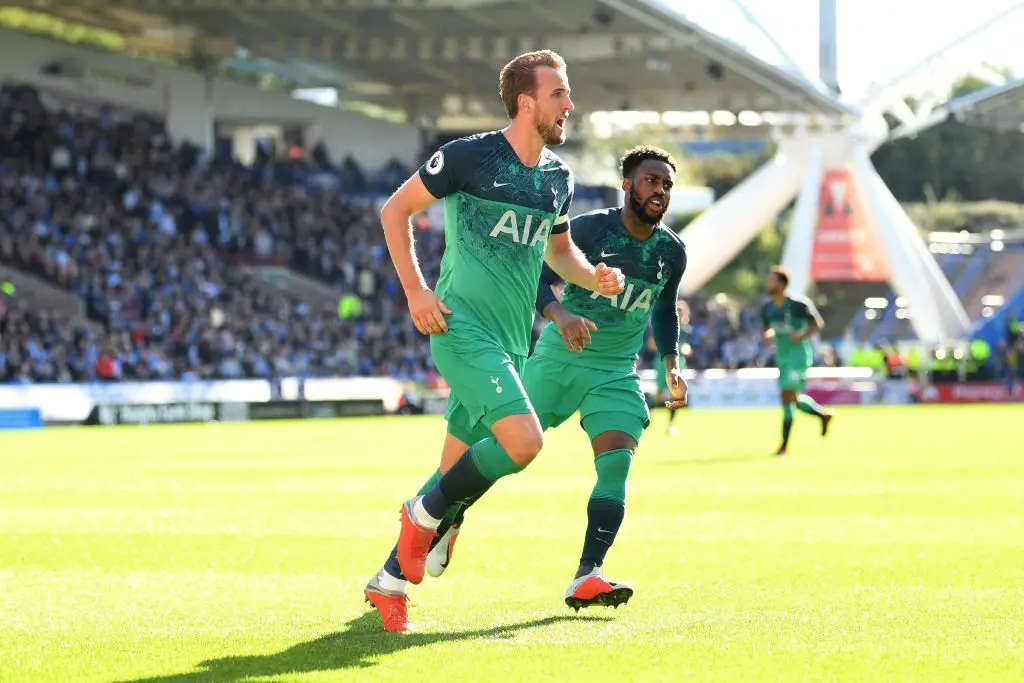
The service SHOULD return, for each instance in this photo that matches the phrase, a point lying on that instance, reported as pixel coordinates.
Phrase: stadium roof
(999, 106)
(441, 56)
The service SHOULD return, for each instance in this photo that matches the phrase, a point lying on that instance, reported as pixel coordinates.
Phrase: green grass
(892, 551)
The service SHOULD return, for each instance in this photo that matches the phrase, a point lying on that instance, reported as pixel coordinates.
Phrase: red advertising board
(843, 392)
(843, 248)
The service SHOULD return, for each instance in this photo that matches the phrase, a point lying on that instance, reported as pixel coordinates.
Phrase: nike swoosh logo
(604, 255)
(497, 184)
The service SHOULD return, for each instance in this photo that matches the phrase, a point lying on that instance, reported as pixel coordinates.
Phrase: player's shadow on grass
(355, 647)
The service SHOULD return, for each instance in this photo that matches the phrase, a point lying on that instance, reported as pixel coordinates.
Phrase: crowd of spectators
(153, 238)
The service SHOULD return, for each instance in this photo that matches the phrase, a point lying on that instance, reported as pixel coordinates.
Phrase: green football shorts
(607, 401)
(485, 381)
(792, 377)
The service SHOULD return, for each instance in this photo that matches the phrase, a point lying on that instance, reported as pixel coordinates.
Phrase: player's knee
(525, 446)
(613, 441)
(521, 436)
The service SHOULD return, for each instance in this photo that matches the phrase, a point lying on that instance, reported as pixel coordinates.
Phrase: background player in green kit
(664, 396)
(791, 321)
(585, 360)
(507, 199)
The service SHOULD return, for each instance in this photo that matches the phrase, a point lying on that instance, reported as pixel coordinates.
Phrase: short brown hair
(782, 273)
(519, 77)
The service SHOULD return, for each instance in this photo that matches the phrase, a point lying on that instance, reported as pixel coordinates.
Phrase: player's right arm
(575, 329)
(434, 180)
(566, 259)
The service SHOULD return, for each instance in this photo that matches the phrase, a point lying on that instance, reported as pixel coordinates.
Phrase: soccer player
(790, 321)
(506, 211)
(663, 396)
(585, 359)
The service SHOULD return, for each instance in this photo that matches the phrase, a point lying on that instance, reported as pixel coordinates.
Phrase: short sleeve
(582, 232)
(764, 316)
(562, 222)
(448, 169)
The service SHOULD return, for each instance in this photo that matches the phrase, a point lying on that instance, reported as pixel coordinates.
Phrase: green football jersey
(653, 269)
(794, 315)
(498, 217)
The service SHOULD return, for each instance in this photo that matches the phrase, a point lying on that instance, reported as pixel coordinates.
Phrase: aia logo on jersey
(509, 224)
(626, 302)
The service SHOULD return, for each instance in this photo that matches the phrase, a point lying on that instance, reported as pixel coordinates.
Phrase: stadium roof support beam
(828, 51)
(802, 168)
(776, 45)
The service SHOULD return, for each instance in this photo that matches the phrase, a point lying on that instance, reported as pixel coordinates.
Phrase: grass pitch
(892, 551)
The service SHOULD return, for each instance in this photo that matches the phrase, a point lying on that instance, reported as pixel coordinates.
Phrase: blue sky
(877, 39)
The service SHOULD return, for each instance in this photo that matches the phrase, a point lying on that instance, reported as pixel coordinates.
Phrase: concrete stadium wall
(180, 97)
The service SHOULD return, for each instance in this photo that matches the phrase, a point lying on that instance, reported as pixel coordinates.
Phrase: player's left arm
(665, 326)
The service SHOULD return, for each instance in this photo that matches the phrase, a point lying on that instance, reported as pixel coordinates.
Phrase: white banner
(733, 392)
(74, 402)
(388, 390)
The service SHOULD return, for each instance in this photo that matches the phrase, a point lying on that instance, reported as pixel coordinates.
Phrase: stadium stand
(976, 273)
(149, 238)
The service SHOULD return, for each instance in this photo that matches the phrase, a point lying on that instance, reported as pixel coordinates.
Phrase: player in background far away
(791, 321)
